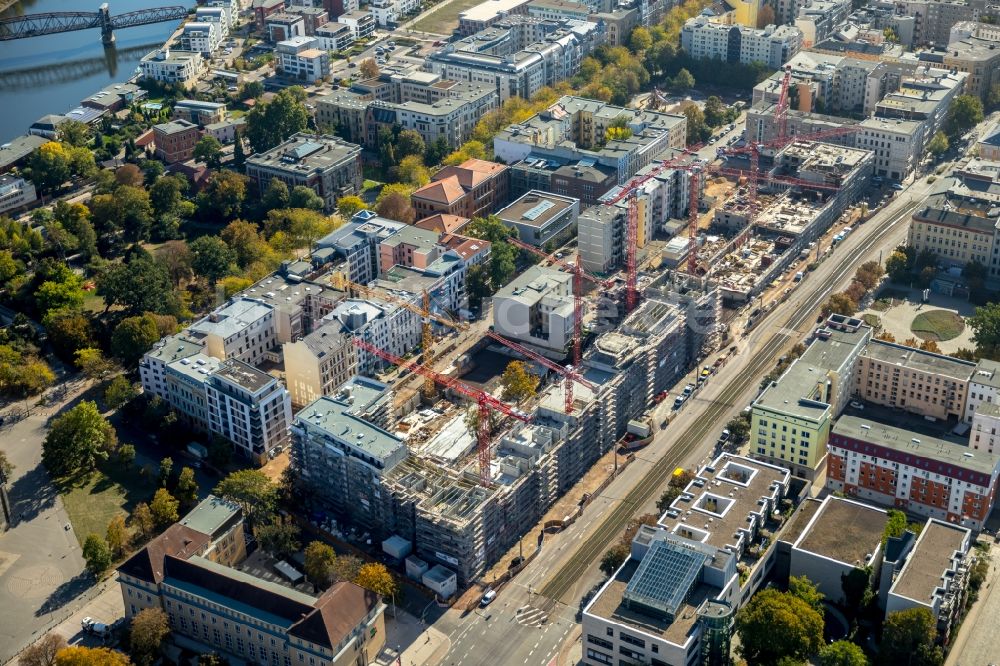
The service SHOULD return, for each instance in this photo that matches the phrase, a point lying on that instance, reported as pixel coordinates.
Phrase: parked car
(92, 626)
(679, 400)
(724, 437)
(857, 405)
(688, 390)
(488, 598)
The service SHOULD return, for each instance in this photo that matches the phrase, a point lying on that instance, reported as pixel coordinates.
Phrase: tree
(142, 520)
(938, 145)
(898, 266)
(411, 170)
(682, 81)
(119, 393)
(518, 384)
(964, 113)
(166, 194)
(251, 90)
(133, 337)
(43, 652)
(208, 150)
(368, 68)
(855, 584)
(805, 589)
(715, 111)
(65, 293)
(270, 123)
(840, 303)
(895, 525)
(211, 258)
(640, 39)
(349, 205)
(305, 197)
(697, 130)
(305, 227)
(137, 286)
(908, 638)
(245, 241)
(276, 195)
(74, 133)
(150, 627)
(842, 653)
(84, 656)
(278, 538)
(49, 166)
(126, 454)
(187, 487)
(775, 625)
(985, 324)
(614, 558)
(96, 554)
(256, 494)
(869, 274)
(739, 428)
(375, 577)
(69, 331)
(394, 203)
(347, 567)
(409, 142)
(8, 267)
(212, 659)
(239, 152)
(164, 508)
(224, 195)
(319, 561)
(77, 440)
(6, 468)
(765, 16)
(166, 469)
(117, 535)
(135, 212)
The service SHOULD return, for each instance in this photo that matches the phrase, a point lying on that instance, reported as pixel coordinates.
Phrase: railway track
(563, 581)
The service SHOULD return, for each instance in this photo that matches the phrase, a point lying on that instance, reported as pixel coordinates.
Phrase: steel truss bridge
(51, 23)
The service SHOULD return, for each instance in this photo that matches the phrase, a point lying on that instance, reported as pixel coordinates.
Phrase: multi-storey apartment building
(913, 380)
(187, 573)
(199, 112)
(576, 128)
(329, 166)
(911, 471)
(819, 19)
(704, 38)
(15, 193)
(475, 188)
(536, 308)
(201, 37)
(244, 329)
(175, 141)
(302, 58)
(178, 67)
(790, 420)
(957, 226)
(984, 387)
(319, 363)
(341, 451)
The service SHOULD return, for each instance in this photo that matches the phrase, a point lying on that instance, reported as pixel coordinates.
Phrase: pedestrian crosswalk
(531, 617)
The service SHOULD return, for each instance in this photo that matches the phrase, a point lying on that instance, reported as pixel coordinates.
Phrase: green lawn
(882, 304)
(937, 325)
(444, 19)
(92, 302)
(873, 320)
(93, 501)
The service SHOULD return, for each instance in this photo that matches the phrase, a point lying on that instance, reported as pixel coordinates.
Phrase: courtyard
(903, 314)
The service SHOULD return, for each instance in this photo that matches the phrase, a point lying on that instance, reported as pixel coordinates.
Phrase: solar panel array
(536, 211)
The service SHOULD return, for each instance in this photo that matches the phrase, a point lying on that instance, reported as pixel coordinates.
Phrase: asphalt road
(541, 604)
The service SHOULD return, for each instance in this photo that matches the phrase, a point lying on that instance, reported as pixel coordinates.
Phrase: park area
(92, 500)
(444, 19)
(902, 314)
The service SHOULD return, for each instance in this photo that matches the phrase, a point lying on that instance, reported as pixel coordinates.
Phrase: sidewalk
(410, 642)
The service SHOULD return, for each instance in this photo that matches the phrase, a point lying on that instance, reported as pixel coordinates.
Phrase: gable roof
(336, 614)
(178, 540)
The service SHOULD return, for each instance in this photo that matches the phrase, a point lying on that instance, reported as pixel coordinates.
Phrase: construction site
(457, 475)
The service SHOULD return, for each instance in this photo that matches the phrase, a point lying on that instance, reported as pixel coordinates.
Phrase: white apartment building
(361, 23)
(243, 329)
(178, 67)
(301, 57)
(985, 431)
(819, 19)
(536, 308)
(388, 12)
(984, 388)
(219, 16)
(248, 407)
(319, 363)
(15, 192)
(334, 36)
(384, 325)
(706, 39)
(201, 37)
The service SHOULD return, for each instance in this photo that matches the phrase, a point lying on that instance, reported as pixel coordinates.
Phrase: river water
(52, 74)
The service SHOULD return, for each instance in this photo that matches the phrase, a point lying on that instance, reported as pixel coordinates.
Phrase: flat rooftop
(336, 416)
(484, 11)
(796, 392)
(243, 375)
(306, 152)
(905, 442)
(211, 514)
(930, 558)
(844, 530)
(231, 318)
(610, 604)
(832, 348)
(716, 504)
(536, 209)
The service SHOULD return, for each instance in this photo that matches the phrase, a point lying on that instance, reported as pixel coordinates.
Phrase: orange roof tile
(442, 223)
(448, 190)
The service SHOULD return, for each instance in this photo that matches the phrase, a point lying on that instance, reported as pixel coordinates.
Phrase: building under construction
(433, 496)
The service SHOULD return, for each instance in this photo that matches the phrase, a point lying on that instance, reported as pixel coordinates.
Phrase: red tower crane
(570, 374)
(485, 401)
